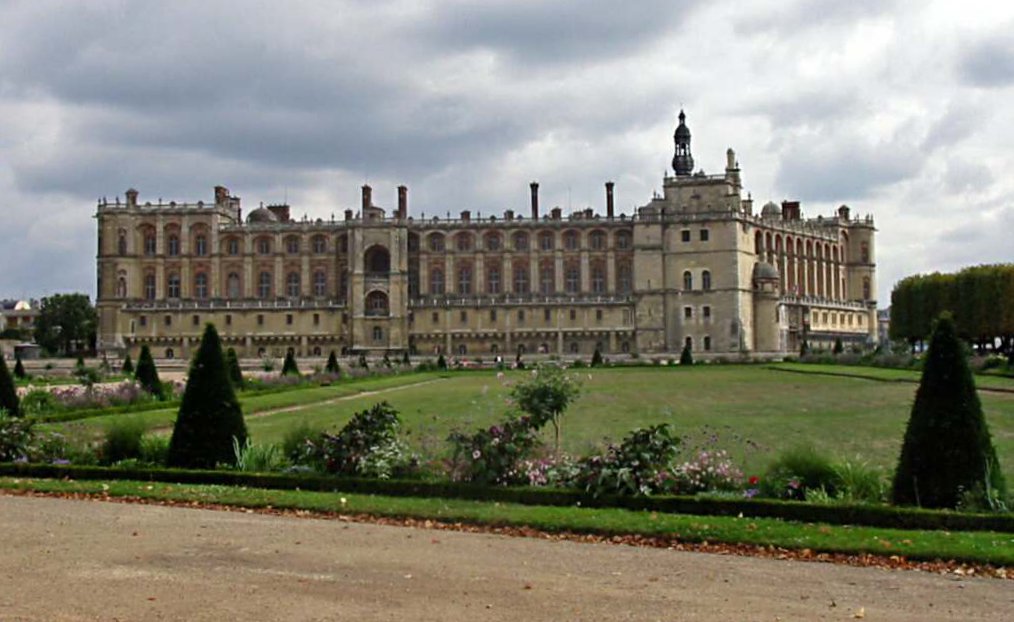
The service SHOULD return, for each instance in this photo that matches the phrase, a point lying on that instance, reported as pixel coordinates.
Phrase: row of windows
(704, 235)
(230, 246)
(195, 320)
(233, 285)
(520, 280)
(520, 241)
(521, 315)
(688, 280)
(688, 312)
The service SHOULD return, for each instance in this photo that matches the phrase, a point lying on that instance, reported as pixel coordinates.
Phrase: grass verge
(972, 547)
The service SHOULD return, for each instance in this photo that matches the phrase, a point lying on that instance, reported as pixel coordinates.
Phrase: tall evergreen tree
(19, 368)
(947, 448)
(362, 361)
(839, 347)
(147, 374)
(441, 361)
(404, 359)
(332, 364)
(8, 396)
(289, 366)
(210, 417)
(596, 360)
(232, 364)
(686, 356)
(128, 365)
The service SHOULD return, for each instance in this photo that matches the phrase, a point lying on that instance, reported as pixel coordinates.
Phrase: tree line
(980, 298)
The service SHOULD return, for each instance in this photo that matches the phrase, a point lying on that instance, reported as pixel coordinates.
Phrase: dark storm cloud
(989, 63)
(564, 31)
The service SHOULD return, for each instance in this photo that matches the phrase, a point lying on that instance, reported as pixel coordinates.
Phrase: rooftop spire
(682, 161)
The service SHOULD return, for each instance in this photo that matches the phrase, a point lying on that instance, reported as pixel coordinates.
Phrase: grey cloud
(792, 17)
(988, 63)
(960, 120)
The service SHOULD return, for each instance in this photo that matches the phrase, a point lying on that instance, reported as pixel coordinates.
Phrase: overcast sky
(902, 110)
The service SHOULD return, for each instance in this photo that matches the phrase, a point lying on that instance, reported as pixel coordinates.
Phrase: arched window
(149, 287)
(232, 285)
(121, 287)
(492, 241)
(758, 243)
(598, 279)
(623, 240)
(624, 279)
(201, 286)
(169, 354)
(173, 286)
(597, 240)
(319, 283)
(463, 242)
(173, 245)
(377, 260)
(547, 279)
(465, 279)
(319, 244)
(706, 280)
(625, 347)
(546, 241)
(688, 281)
(264, 246)
(571, 240)
(520, 241)
(436, 281)
(520, 278)
(435, 242)
(493, 280)
(572, 279)
(292, 245)
(201, 245)
(317, 351)
(121, 242)
(264, 285)
(292, 285)
(149, 243)
(376, 304)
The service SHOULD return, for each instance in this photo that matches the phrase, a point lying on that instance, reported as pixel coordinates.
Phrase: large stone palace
(695, 265)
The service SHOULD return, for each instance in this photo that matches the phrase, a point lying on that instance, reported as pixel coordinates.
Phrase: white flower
(476, 454)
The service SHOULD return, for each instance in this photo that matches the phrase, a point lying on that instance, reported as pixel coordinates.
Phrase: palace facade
(695, 265)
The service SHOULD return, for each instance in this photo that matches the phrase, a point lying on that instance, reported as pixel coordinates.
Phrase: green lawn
(978, 546)
(884, 373)
(751, 411)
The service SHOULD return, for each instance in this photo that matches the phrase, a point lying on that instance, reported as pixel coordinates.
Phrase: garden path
(89, 560)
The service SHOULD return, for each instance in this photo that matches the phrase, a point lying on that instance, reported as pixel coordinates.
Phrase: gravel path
(88, 560)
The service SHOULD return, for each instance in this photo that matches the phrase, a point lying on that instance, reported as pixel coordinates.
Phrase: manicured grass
(252, 405)
(976, 547)
(885, 373)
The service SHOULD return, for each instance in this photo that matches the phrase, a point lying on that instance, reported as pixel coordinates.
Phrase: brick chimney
(402, 202)
(367, 197)
(131, 197)
(509, 214)
(556, 213)
(535, 199)
(221, 196)
(466, 215)
(609, 200)
(348, 214)
(790, 210)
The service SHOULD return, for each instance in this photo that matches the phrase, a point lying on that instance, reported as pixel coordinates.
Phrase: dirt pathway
(88, 560)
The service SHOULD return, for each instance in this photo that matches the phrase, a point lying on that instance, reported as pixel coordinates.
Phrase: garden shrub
(708, 471)
(596, 360)
(839, 347)
(405, 360)
(857, 480)
(494, 455)
(297, 442)
(19, 368)
(16, 435)
(8, 395)
(147, 374)
(289, 367)
(122, 440)
(332, 364)
(639, 465)
(686, 356)
(545, 395)
(235, 372)
(368, 445)
(128, 365)
(154, 449)
(210, 416)
(38, 402)
(798, 470)
(258, 458)
(441, 362)
(947, 450)
(362, 361)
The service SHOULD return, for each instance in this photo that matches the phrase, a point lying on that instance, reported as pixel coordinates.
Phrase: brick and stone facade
(694, 263)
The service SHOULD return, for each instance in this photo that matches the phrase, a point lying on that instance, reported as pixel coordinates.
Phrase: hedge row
(865, 515)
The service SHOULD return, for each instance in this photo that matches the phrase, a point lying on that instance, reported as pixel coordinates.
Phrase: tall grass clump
(797, 470)
(122, 440)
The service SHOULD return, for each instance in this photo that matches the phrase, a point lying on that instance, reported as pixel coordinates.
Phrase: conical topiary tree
(8, 396)
(128, 365)
(839, 347)
(362, 361)
(19, 368)
(332, 364)
(947, 450)
(596, 358)
(405, 360)
(804, 348)
(441, 361)
(232, 364)
(210, 420)
(686, 356)
(289, 366)
(147, 375)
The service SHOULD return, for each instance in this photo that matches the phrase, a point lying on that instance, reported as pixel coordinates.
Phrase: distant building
(884, 326)
(694, 265)
(18, 314)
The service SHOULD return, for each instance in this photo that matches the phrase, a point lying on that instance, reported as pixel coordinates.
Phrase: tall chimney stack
(402, 202)
(367, 197)
(535, 199)
(609, 200)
